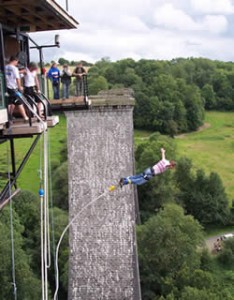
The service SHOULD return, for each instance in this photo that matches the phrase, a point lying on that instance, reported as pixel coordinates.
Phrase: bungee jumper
(142, 178)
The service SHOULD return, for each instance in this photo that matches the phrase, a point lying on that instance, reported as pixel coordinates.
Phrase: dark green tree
(60, 186)
(202, 196)
(63, 61)
(167, 244)
(25, 278)
(209, 97)
(97, 84)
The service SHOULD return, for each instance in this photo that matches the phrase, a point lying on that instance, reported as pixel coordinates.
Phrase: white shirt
(29, 78)
(11, 74)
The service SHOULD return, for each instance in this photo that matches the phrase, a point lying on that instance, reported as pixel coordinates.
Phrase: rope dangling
(12, 230)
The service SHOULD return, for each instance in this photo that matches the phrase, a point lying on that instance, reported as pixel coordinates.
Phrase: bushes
(226, 256)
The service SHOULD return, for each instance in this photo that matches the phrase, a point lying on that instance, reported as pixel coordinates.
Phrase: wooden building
(17, 19)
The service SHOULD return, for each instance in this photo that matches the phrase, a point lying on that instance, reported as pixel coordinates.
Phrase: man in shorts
(13, 85)
(32, 85)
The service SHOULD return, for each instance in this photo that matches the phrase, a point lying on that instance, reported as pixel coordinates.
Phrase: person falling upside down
(149, 173)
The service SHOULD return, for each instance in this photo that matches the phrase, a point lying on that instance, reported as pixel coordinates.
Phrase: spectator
(78, 73)
(31, 84)
(54, 75)
(66, 81)
(14, 86)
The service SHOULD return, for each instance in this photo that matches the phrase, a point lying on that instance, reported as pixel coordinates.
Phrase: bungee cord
(110, 189)
(12, 230)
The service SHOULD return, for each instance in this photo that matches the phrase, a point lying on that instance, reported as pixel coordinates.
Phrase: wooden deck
(19, 128)
(73, 103)
(52, 121)
(23, 129)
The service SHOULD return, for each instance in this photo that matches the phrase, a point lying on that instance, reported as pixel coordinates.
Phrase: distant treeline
(64, 61)
(171, 96)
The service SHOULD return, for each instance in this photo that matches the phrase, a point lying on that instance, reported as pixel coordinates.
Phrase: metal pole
(66, 5)
(13, 158)
(41, 60)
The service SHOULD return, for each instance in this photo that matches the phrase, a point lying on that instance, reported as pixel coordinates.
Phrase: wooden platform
(73, 103)
(52, 121)
(20, 128)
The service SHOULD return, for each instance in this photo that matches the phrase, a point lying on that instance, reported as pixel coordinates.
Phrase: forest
(176, 208)
(171, 96)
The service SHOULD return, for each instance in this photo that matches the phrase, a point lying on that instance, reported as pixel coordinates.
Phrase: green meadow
(29, 178)
(212, 148)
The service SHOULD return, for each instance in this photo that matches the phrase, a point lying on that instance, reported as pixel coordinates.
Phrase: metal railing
(2, 92)
(31, 107)
(77, 88)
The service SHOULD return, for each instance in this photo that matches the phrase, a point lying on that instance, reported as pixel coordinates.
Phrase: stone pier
(103, 251)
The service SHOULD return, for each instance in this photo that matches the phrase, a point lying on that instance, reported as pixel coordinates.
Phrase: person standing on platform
(13, 84)
(78, 74)
(54, 75)
(32, 85)
(66, 81)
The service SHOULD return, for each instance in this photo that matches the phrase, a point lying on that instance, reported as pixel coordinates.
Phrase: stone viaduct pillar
(103, 251)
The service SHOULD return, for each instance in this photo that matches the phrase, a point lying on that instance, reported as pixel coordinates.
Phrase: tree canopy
(170, 95)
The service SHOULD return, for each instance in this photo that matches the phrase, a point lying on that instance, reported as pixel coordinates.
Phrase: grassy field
(212, 148)
(29, 178)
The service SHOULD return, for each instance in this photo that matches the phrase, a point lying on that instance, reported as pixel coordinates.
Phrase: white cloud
(215, 24)
(145, 29)
(171, 17)
(213, 6)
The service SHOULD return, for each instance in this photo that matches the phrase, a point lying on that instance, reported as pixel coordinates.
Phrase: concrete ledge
(114, 97)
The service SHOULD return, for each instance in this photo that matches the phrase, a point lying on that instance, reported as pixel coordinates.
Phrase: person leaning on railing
(78, 73)
(66, 81)
(13, 84)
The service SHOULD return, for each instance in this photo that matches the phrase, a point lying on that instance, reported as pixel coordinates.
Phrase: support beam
(103, 250)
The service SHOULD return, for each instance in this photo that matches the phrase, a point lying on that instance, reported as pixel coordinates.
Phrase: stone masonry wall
(103, 260)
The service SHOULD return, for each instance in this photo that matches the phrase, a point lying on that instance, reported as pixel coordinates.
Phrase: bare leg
(40, 108)
(22, 112)
(11, 108)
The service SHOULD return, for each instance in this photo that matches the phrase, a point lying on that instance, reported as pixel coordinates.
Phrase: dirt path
(210, 242)
(201, 128)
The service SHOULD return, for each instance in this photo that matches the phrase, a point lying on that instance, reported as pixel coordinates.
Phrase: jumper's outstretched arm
(163, 151)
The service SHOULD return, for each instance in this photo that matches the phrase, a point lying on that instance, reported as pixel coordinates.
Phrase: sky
(150, 29)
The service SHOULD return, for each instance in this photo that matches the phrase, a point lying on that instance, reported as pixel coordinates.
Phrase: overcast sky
(152, 29)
